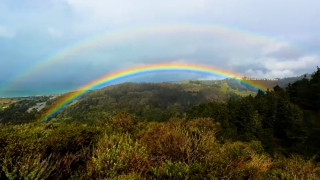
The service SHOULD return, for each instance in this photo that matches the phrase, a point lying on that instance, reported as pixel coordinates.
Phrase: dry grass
(179, 140)
(297, 167)
(3, 101)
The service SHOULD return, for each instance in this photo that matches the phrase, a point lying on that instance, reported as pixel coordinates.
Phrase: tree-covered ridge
(267, 118)
(283, 119)
(149, 101)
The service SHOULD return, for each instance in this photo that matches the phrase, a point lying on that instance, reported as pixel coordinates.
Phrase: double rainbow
(126, 33)
(68, 98)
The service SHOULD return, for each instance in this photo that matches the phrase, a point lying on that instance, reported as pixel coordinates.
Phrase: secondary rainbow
(126, 33)
(66, 99)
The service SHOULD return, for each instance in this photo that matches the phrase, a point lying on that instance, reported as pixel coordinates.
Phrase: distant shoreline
(32, 96)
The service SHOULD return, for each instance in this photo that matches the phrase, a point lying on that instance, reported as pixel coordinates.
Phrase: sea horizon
(34, 92)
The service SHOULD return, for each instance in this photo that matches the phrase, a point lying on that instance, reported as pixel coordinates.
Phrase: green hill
(150, 101)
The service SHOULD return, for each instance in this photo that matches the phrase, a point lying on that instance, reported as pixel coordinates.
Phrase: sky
(263, 39)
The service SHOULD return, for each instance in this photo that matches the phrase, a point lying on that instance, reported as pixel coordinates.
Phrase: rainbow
(116, 35)
(68, 98)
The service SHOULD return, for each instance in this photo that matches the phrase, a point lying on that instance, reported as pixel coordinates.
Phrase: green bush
(201, 170)
(127, 177)
(26, 149)
(115, 155)
(171, 171)
(28, 167)
(71, 138)
(278, 174)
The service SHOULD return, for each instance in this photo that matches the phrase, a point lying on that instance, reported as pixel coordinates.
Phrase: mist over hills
(33, 88)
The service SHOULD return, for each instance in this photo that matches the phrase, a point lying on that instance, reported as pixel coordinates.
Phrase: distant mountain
(238, 86)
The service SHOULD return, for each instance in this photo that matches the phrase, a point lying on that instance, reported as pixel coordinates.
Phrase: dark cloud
(41, 29)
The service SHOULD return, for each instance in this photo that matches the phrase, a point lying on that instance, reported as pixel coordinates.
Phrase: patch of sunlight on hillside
(224, 87)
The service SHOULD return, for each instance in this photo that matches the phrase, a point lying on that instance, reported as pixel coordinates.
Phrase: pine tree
(315, 91)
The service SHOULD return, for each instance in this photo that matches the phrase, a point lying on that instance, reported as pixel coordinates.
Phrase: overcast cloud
(34, 29)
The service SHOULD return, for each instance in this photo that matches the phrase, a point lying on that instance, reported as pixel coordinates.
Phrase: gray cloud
(33, 30)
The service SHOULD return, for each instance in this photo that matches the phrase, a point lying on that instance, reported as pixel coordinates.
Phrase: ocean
(32, 92)
(34, 89)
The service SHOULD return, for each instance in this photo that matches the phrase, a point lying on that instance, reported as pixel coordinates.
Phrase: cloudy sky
(81, 40)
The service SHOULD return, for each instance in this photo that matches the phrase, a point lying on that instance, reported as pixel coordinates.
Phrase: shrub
(237, 160)
(116, 155)
(124, 122)
(71, 138)
(28, 167)
(173, 141)
(294, 167)
(201, 170)
(171, 171)
(127, 177)
(28, 147)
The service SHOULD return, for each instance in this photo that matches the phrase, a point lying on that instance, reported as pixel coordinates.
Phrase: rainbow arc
(139, 70)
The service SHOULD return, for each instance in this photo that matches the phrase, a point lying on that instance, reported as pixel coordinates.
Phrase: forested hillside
(148, 101)
(165, 131)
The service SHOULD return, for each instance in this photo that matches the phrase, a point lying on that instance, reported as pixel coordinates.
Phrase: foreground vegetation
(125, 148)
(170, 134)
